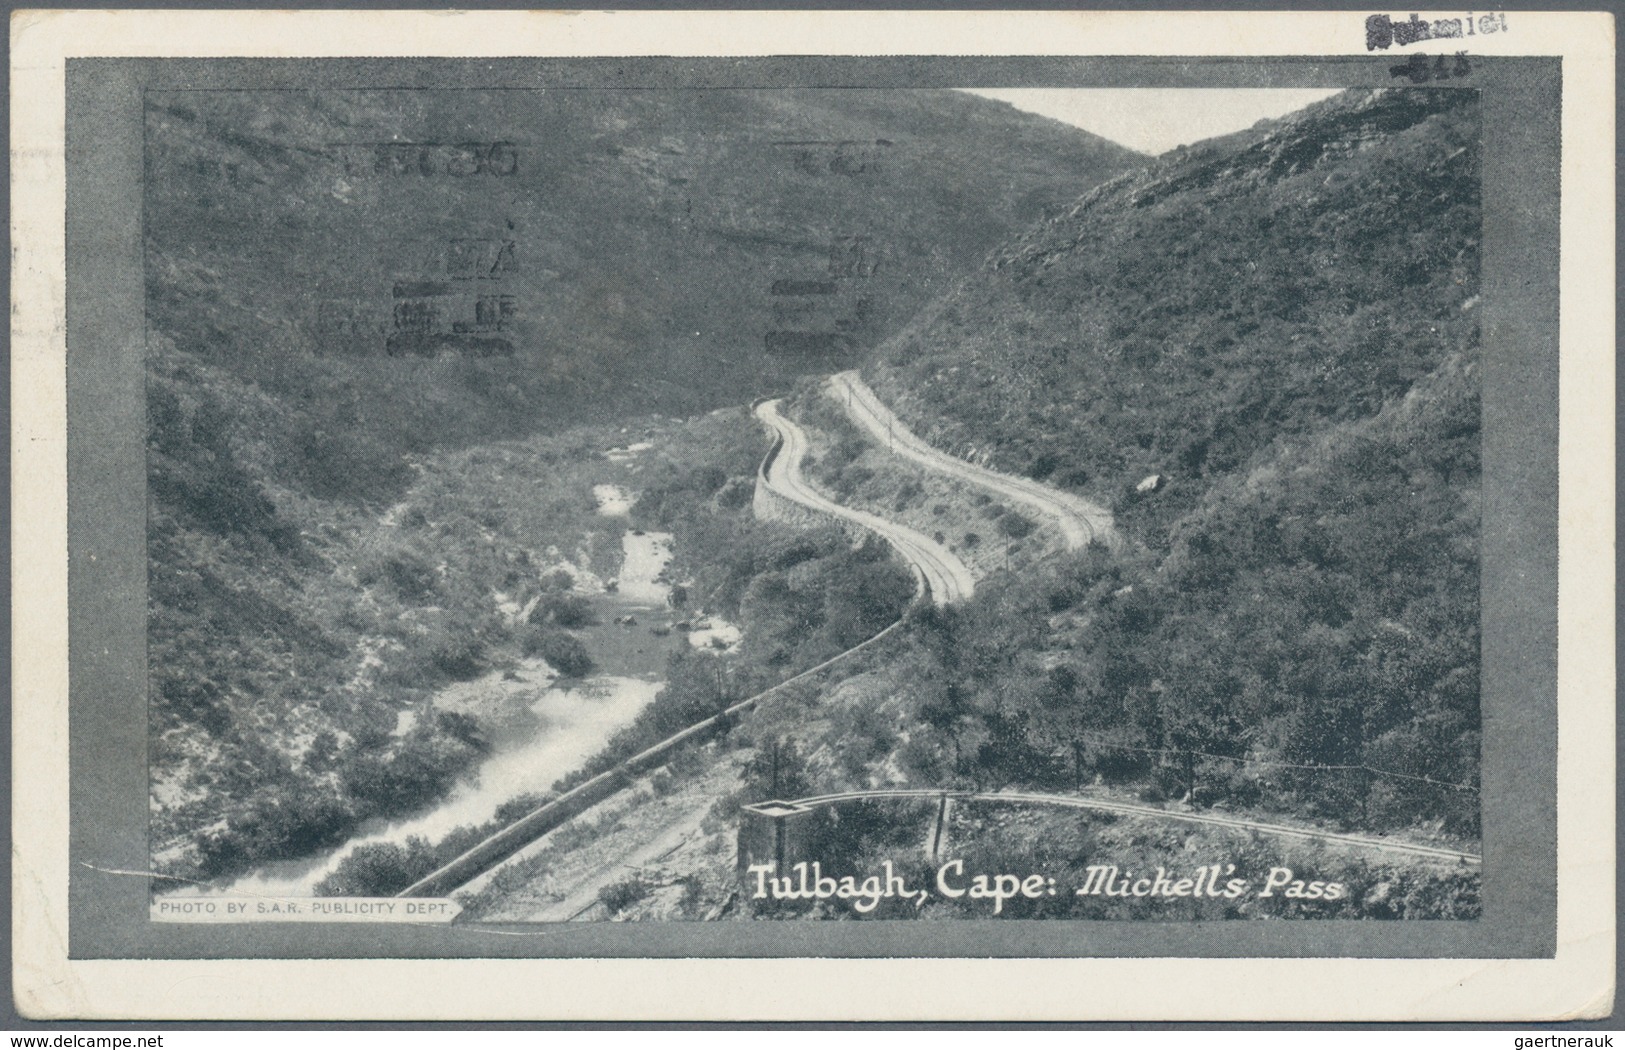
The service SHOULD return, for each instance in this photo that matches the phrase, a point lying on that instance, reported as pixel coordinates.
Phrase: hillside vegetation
(532, 260)
(354, 299)
(295, 644)
(1283, 326)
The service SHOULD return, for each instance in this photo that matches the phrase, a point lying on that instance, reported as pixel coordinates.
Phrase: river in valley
(540, 727)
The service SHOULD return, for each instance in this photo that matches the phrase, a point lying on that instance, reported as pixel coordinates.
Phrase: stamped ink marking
(855, 256)
(478, 258)
(1382, 32)
(818, 317)
(808, 305)
(453, 315)
(1419, 68)
(826, 314)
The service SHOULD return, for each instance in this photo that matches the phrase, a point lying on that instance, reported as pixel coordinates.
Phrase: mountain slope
(1179, 319)
(1280, 328)
(352, 295)
(531, 259)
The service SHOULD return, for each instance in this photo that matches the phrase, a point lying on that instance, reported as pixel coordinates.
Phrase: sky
(1155, 120)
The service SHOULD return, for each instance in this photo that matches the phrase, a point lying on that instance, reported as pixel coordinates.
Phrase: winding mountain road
(946, 576)
(1366, 842)
(938, 572)
(1078, 519)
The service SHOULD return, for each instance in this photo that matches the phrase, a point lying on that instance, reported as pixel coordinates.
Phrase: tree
(777, 771)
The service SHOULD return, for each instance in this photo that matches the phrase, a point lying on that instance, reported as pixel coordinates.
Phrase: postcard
(788, 515)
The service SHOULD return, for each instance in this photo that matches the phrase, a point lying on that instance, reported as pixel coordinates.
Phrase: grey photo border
(106, 525)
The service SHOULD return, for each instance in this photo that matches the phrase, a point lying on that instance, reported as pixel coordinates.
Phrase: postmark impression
(1384, 31)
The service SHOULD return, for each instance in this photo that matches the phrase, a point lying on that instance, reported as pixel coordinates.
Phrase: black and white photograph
(815, 504)
(779, 504)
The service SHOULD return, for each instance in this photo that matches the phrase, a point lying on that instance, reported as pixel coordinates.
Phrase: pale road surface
(1379, 845)
(950, 581)
(1079, 519)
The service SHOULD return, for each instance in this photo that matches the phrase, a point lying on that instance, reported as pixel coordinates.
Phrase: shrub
(292, 823)
(459, 659)
(197, 701)
(619, 896)
(853, 479)
(1077, 479)
(909, 491)
(379, 869)
(705, 480)
(344, 465)
(519, 806)
(420, 772)
(564, 652)
(1015, 526)
(408, 575)
(1043, 466)
(563, 610)
(736, 495)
